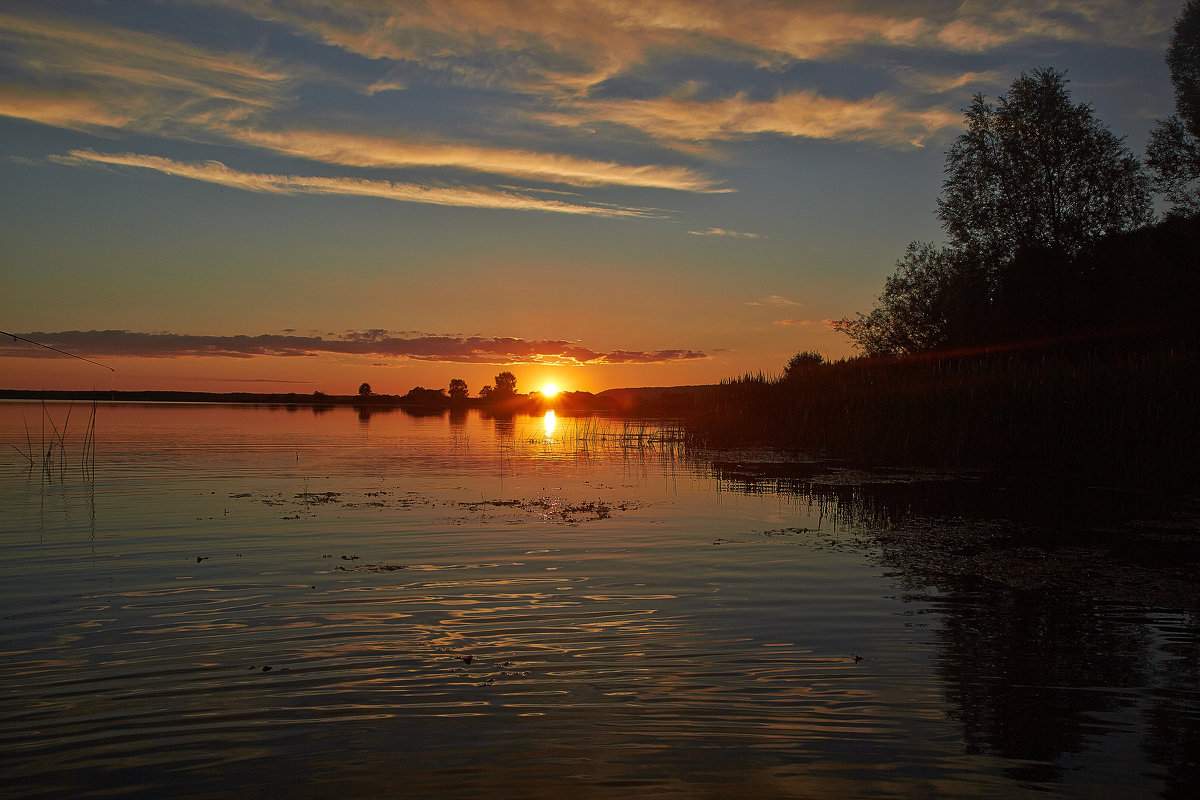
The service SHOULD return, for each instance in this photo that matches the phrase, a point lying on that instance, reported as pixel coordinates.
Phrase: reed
(27, 454)
(54, 444)
(87, 459)
(598, 433)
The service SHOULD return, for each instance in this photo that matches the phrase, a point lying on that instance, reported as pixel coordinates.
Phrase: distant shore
(631, 400)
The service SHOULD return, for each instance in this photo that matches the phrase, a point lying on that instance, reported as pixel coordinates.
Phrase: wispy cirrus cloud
(724, 232)
(571, 45)
(460, 196)
(366, 151)
(553, 52)
(548, 61)
(980, 25)
(939, 83)
(778, 301)
(61, 110)
(799, 114)
(84, 75)
(564, 49)
(788, 323)
(567, 47)
(78, 73)
(375, 343)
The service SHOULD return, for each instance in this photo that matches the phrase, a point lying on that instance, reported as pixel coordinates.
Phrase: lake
(221, 600)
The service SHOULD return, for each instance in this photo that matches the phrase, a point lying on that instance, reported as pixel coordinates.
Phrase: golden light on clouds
(412, 346)
(61, 111)
(723, 232)
(120, 78)
(463, 196)
(600, 38)
(366, 151)
(801, 114)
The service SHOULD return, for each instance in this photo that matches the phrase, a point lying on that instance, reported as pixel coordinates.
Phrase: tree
(1032, 183)
(1038, 171)
(458, 389)
(801, 364)
(485, 392)
(506, 384)
(1174, 150)
(935, 299)
(365, 390)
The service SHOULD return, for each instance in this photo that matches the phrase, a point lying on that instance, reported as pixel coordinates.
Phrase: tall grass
(637, 433)
(1108, 416)
(51, 454)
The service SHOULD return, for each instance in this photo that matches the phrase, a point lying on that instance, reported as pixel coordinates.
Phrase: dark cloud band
(374, 343)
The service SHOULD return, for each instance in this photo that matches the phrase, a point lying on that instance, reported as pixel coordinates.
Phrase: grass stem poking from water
(52, 448)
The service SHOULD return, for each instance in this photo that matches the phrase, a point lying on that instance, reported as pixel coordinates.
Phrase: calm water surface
(252, 601)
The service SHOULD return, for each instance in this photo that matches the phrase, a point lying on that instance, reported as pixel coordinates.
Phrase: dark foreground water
(267, 602)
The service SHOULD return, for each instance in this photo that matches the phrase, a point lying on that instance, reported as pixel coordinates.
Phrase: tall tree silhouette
(458, 389)
(933, 300)
(1034, 181)
(1174, 150)
(1036, 171)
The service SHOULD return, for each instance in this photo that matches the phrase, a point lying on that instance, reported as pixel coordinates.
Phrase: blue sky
(262, 195)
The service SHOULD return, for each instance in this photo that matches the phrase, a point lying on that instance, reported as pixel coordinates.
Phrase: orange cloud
(365, 151)
(218, 173)
(91, 74)
(85, 75)
(804, 323)
(62, 111)
(936, 84)
(802, 114)
(980, 25)
(596, 38)
(579, 43)
(723, 232)
(773, 300)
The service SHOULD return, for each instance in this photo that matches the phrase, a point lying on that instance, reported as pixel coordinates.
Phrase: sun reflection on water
(549, 421)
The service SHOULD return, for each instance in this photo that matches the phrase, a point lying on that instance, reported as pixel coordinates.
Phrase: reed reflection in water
(246, 600)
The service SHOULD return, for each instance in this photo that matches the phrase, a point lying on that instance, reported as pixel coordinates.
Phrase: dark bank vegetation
(1053, 338)
(1102, 414)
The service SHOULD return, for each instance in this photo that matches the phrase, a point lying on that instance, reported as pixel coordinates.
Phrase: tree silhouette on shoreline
(505, 386)
(1174, 150)
(1034, 182)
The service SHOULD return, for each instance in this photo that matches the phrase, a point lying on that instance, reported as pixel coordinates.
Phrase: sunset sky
(248, 195)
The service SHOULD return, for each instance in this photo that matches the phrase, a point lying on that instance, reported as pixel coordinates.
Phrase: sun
(549, 389)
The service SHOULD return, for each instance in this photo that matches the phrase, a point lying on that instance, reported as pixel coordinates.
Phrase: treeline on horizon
(500, 397)
(419, 397)
(1054, 337)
